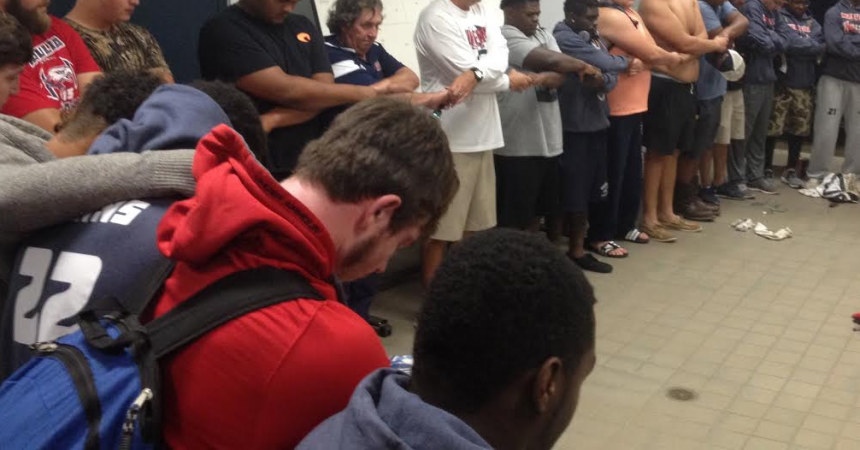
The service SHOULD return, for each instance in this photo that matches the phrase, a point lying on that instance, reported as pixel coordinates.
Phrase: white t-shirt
(450, 41)
(531, 119)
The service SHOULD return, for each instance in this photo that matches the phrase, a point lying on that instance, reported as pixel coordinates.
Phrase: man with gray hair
(356, 57)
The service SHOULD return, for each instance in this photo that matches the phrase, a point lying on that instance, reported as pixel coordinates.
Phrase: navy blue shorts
(583, 170)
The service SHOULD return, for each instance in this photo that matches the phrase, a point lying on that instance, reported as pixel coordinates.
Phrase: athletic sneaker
(733, 192)
(763, 185)
(790, 178)
(709, 195)
(768, 173)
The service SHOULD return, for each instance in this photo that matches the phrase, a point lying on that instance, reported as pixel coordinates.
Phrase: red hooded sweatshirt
(266, 379)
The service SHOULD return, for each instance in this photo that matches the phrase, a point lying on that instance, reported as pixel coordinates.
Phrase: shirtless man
(677, 26)
(621, 26)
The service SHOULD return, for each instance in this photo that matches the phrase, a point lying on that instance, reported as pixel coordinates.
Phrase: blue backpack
(99, 388)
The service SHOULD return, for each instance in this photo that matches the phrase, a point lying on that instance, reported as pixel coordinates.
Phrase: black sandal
(590, 263)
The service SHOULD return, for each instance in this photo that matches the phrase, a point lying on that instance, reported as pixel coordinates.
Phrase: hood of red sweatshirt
(240, 218)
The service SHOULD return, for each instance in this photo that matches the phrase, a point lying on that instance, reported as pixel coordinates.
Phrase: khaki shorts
(732, 118)
(474, 205)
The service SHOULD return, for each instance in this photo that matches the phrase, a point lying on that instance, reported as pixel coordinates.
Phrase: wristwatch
(479, 74)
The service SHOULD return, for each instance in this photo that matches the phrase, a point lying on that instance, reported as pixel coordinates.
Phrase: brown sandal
(658, 233)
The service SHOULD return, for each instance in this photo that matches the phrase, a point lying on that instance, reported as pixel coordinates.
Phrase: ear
(380, 210)
(548, 384)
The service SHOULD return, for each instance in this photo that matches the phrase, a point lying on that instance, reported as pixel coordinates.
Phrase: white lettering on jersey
(122, 213)
(37, 320)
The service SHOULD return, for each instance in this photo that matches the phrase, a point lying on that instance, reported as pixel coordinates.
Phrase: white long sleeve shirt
(450, 41)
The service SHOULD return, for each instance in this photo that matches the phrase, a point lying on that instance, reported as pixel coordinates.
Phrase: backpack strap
(226, 299)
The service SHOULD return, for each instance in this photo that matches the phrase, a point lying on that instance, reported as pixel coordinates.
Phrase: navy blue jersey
(59, 270)
(349, 68)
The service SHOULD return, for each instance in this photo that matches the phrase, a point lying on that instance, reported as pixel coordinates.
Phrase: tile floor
(760, 330)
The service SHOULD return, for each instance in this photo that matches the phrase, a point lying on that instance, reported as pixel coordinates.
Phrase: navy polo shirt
(349, 68)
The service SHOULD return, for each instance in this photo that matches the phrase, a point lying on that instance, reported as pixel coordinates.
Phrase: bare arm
(665, 25)
(84, 79)
(541, 60)
(46, 118)
(403, 81)
(552, 80)
(616, 27)
(285, 117)
(737, 26)
(312, 94)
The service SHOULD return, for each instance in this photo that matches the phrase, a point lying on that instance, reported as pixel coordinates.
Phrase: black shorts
(583, 170)
(671, 118)
(526, 187)
(707, 124)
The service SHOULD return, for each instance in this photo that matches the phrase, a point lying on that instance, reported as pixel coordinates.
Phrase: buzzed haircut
(108, 99)
(501, 304)
(385, 146)
(512, 3)
(579, 7)
(242, 113)
(16, 46)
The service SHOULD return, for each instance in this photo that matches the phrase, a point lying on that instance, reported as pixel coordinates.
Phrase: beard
(35, 21)
(351, 266)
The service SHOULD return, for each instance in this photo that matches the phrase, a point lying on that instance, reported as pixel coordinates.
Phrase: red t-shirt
(50, 79)
(266, 379)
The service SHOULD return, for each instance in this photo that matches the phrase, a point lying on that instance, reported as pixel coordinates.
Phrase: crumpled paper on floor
(762, 230)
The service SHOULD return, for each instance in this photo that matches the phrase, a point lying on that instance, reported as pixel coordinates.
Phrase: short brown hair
(385, 146)
(16, 46)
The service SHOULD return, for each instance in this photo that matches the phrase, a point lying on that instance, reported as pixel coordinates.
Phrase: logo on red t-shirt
(44, 50)
(60, 82)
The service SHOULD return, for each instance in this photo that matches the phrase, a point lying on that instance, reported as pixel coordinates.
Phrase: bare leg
(433, 254)
(665, 208)
(706, 167)
(578, 231)
(653, 175)
(721, 159)
(687, 168)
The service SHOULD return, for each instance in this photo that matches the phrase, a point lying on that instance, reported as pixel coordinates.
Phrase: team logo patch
(303, 37)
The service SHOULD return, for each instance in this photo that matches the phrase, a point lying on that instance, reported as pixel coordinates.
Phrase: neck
(494, 422)
(63, 147)
(87, 14)
(462, 4)
(337, 218)
(343, 40)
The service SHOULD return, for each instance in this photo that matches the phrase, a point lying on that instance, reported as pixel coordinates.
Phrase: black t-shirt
(234, 44)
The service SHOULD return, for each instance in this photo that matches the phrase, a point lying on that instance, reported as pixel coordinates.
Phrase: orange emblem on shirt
(303, 37)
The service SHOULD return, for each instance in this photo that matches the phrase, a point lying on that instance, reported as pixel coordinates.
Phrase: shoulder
(512, 32)
(62, 29)
(230, 18)
(300, 22)
(136, 30)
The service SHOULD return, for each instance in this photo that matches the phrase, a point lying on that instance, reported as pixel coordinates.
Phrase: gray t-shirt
(531, 120)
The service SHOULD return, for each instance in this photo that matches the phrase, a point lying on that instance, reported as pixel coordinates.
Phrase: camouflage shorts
(792, 112)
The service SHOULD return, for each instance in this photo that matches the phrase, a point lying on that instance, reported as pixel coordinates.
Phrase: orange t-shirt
(630, 95)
